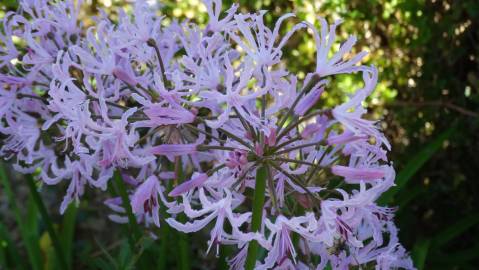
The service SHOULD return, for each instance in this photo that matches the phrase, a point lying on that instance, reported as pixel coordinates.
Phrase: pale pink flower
(324, 41)
(145, 199)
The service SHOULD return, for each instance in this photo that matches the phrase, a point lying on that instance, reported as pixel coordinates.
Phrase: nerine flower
(215, 105)
(145, 199)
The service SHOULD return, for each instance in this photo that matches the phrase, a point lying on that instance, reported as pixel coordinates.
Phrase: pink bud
(258, 150)
(271, 139)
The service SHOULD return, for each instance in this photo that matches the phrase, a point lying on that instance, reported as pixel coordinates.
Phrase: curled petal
(354, 175)
(189, 185)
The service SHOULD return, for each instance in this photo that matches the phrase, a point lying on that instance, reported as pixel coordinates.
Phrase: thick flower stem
(183, 241)
(258, 203)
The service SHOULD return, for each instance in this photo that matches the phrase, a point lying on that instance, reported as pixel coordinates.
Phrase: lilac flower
(352, 119)
(257, 147)
(233, 99)
(282, 247)
(260, 41)
(145, 199)
(324, 42)
(216, 24)
(8, 51)
(221, 211)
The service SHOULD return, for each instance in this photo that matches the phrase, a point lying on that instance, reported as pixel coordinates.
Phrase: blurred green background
(427, 103)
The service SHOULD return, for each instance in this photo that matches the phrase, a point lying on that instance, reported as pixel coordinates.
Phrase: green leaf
(9, 256)
(31, 243)
(32, 226)
(416, 163)
(35, 195)
(459, 256)
(11, 4)
(404, 198)
(110, 263)
(419, 253)
(135, 232)
(125, 255)
(454, 230)
(100, 263)
(68, 232)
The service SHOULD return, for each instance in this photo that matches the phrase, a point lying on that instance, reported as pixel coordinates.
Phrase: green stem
(202, 147)
(152, 43)
(121, 189)
(258, 203)
(48, 223)
(164, 234)
(184, 247)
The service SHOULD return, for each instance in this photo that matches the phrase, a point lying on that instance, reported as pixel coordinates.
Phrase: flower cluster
(205, 123)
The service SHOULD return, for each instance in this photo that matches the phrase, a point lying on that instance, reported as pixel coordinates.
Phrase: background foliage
(427, 53)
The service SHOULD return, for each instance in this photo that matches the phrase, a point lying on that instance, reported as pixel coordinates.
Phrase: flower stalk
(257, 218)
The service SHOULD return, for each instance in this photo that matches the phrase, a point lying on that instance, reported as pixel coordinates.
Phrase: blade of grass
(10, 258)
(32, 226)
(416, 163)
(110, 263)
(422, 247)
(134, 233)
(32, 247)
(100, 263)
(4, 248)
(404, 198)
(124, 256)
(454, 231)
(50, 262)
(68, 232)
(48, 223)
(459, 256)
(134, 228)
(419, 252)
(145, 244)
